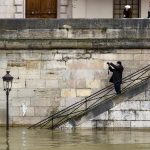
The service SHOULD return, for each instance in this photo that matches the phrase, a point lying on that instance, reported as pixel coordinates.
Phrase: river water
(40, 139)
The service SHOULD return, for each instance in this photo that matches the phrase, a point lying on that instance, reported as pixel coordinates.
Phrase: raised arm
(116, 67)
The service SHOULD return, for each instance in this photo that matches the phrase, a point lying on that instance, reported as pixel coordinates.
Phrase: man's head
(119, 63)
(127, 7)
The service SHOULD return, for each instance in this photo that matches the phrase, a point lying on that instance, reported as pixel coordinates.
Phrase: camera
(108, 63)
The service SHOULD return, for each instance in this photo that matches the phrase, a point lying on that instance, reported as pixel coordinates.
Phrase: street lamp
(7, 83)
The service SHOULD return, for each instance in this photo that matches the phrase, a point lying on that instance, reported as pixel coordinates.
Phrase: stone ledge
(74, 23)
(73, 44)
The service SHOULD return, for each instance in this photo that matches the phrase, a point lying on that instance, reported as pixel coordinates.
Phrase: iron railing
(82, 107)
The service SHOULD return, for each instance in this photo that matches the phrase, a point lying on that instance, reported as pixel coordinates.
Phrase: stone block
(112, 33)
(145, 51)
(81, 34)
(128, 105)
(5, 15)
(16, 44)
(64, 2)
(29, 74)
(144, 57)
(47, 93)
(19, 84)
(49, 57)
(23, 34)
(55, 65)
(33, 65)
(68, 93)
(19, 15)
(2, 44)
(83, 92)
(142, 115)
(39, 101)
(82, 74)
(2, 104)
(59, 34)
(31, 55)
(63, 9)
(103, 116)
(140, 124)
(51, 83)
(101, 74)
(114, 57)
(52, 74)
(147, 95)
(8, 34)
(26, 120)
(98, 33)
(129, 51)
(64, 44)
(84, 44)
(42, 111)
(71, 100)
(13, 93)
(39, 33)
(109, 57)
(139, 97)
(6, 2)
(71, 51)
(22, 93)
(2, 116)
(85, 64)
(121, 115)
(63, 16)
(104, 124)
(15, 111)
(145, 105)
(20, 102)
(71, 84)
(34, 84)
(18, 2)
(81, 84)
(93, 84)
(19, 9)
(87, 124)
(122, 124)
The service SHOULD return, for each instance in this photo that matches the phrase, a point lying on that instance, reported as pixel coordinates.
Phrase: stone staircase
(98, 103)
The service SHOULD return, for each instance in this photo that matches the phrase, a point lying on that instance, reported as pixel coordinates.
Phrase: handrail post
(52, 123)
(85, 103)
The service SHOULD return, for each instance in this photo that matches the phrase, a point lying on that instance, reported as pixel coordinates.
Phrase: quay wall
(56, 63)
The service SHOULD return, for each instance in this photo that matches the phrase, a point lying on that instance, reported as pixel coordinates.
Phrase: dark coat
(127, 13)
(117, 73)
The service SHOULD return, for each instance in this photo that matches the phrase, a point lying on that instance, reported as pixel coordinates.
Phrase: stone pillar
(20, 7)
(64, 8)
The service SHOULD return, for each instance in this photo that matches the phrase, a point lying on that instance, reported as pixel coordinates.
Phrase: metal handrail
(99, 95)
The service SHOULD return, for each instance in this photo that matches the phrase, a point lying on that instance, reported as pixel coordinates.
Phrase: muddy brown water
(41, 139)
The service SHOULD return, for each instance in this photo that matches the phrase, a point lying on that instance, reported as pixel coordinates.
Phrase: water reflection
(7, 140)
(24, 139)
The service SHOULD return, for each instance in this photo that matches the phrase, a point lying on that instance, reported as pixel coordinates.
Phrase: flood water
(25, 139)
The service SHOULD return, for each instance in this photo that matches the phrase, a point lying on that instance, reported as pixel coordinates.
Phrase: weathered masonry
(55, 63)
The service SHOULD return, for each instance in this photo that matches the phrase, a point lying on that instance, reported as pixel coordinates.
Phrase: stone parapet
(75, 34)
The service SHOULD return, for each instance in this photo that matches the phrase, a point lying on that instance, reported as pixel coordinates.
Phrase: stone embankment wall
(58, 62)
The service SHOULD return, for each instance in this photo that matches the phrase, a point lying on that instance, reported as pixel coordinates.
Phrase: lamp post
(7, 83)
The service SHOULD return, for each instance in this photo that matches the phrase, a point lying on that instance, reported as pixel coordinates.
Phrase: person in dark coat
(127, 12)
(116, 77)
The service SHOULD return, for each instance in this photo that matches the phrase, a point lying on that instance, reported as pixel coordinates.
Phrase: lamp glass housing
(7, 81)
